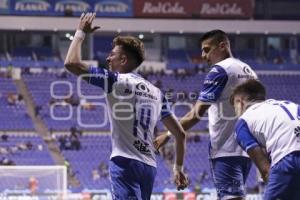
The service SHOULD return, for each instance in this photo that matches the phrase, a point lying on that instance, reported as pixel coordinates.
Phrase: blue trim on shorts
(131, 179)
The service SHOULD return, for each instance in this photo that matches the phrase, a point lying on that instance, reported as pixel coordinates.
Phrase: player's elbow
(70, 66)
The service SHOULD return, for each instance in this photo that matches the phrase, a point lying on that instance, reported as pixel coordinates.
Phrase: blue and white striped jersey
(134, 107)
(272, 124)
(217, 88)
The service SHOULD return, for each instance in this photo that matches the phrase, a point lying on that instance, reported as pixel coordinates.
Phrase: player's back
(135, 106)
(222, 117)
(276, 126)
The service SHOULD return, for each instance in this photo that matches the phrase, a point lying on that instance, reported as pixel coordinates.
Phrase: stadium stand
(87, 158)
(13, 113)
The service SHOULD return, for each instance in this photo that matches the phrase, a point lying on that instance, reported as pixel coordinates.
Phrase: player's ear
(244, 104)
(124, 59)
(222, 45)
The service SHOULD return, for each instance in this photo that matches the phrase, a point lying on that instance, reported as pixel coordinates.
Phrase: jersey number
(286, 110)
(143, 121)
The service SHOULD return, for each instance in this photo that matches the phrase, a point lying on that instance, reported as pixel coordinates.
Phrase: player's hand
(161, 140)
(85, 22)
(180, 180)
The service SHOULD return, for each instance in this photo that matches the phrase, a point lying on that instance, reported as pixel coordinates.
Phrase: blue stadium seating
(96, 148)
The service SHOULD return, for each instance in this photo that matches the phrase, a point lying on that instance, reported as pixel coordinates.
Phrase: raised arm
(73, 62)
(180, 137)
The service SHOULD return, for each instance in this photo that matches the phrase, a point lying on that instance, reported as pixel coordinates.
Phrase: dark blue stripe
(287, 112)
(105, 81)
(214, 84)
(244, 136)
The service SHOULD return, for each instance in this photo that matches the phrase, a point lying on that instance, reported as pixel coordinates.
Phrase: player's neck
(226, 55)
(128, 68)
(125, 71)
(248, 104)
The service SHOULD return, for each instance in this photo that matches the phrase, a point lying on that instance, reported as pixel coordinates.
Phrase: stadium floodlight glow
(141, 36)
(68, 35)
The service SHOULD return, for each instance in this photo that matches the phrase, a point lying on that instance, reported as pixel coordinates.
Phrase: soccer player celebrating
(275, 126)
(135, 106)
(230, 164)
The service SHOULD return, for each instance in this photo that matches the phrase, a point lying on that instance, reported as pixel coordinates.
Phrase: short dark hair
(216, 35)
(132, 47)
(253, 90)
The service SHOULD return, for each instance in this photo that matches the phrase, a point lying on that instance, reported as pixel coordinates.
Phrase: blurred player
(230, 164)
(134, 106)
(33, 185)
(274, 125)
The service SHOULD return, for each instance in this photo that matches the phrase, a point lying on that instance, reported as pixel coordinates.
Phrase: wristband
(178, 168)
(79, 34)
(169, 134)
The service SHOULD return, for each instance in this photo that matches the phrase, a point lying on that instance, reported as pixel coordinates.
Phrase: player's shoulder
(217, 69)
(237, 67)
(140, 82)
(226, 65)
(231, 62)
(131, 77)
(227, 62)
(254, 111)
